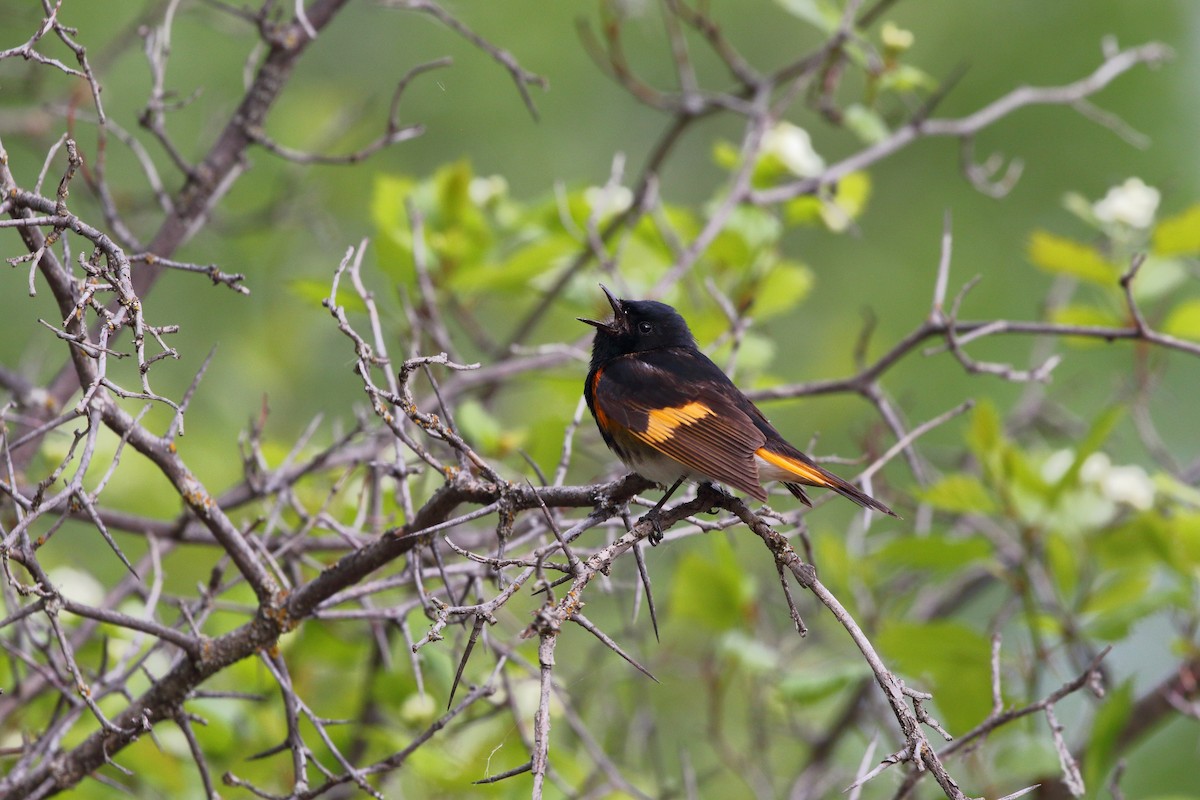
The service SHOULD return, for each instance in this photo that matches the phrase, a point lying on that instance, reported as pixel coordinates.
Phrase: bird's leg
(653, 514)
(718, 493)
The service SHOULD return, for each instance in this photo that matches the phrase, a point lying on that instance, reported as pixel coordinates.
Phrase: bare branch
(522, 78)
(1113, 66)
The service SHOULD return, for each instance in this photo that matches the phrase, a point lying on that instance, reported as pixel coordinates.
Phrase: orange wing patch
(601, 417)
(805, 472)
(662, 422)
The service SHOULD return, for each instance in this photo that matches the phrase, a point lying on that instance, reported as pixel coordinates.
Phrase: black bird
(670, 414)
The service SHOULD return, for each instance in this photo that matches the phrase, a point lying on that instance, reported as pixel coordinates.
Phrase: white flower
(1129, 484)
(482, 190)
(1120, 483)
(1094, 468)
(1054, 467)
(1133, 203)
(793, 147)
(608, 200)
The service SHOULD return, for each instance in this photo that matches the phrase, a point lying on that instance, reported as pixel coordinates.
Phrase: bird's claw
(654, 517)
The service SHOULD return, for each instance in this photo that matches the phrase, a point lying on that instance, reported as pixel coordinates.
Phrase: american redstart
(670, 414)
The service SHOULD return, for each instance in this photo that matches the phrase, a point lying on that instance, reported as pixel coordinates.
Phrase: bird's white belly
(769, 472)
(666, 470)
(661, 469)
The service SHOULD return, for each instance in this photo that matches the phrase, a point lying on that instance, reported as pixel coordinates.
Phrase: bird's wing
(682, 405)
(784, 462)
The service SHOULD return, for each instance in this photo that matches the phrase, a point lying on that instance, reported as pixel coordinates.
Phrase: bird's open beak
(618, 314)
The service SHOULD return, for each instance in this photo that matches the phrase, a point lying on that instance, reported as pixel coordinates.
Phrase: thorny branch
(410, 474)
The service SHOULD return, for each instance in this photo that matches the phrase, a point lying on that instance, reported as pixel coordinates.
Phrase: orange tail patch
(815, 476)
(805, 472)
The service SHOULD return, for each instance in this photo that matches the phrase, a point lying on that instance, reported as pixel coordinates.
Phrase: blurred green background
(287, 226)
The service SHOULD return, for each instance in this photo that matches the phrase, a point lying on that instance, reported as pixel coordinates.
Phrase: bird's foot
(715, 494)
(654, 517)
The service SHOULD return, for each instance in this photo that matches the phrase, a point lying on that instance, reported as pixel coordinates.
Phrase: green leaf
(948, 659)
(1085, 316)
(477, 426)
(729, 250)
(836, 211)
(986, 435)
(906, 78)
(1159, 277)
(1063, 256)
(939, 554)
(756, 227)
(808, 686)
(1120, 599)
(837, 564)
(823, 15)
(1023, 753)
(1184, 320)
(453, 183)
(848, 201)
(571, 208)
(538, 256)
(754, 355)
(643, 264)
(803, 210)
(1020, 469)
(393, 239)
(1062, 561)
(865, 123)
(770, 170)
(388, 196)
(750, 234)
(649, 236)
(486, 432)
(747, 652)
(726, 155)
(782, 289)
(1146, 540)
(1179, 235)
(958, 493)
(682, 221)
(1170, 486)
(713, 591)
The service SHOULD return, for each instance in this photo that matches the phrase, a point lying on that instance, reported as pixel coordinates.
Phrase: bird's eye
(645, 327)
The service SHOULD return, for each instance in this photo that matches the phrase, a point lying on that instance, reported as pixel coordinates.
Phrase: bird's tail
(794, 468)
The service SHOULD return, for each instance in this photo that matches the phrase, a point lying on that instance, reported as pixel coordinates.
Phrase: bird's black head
(637, 326)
